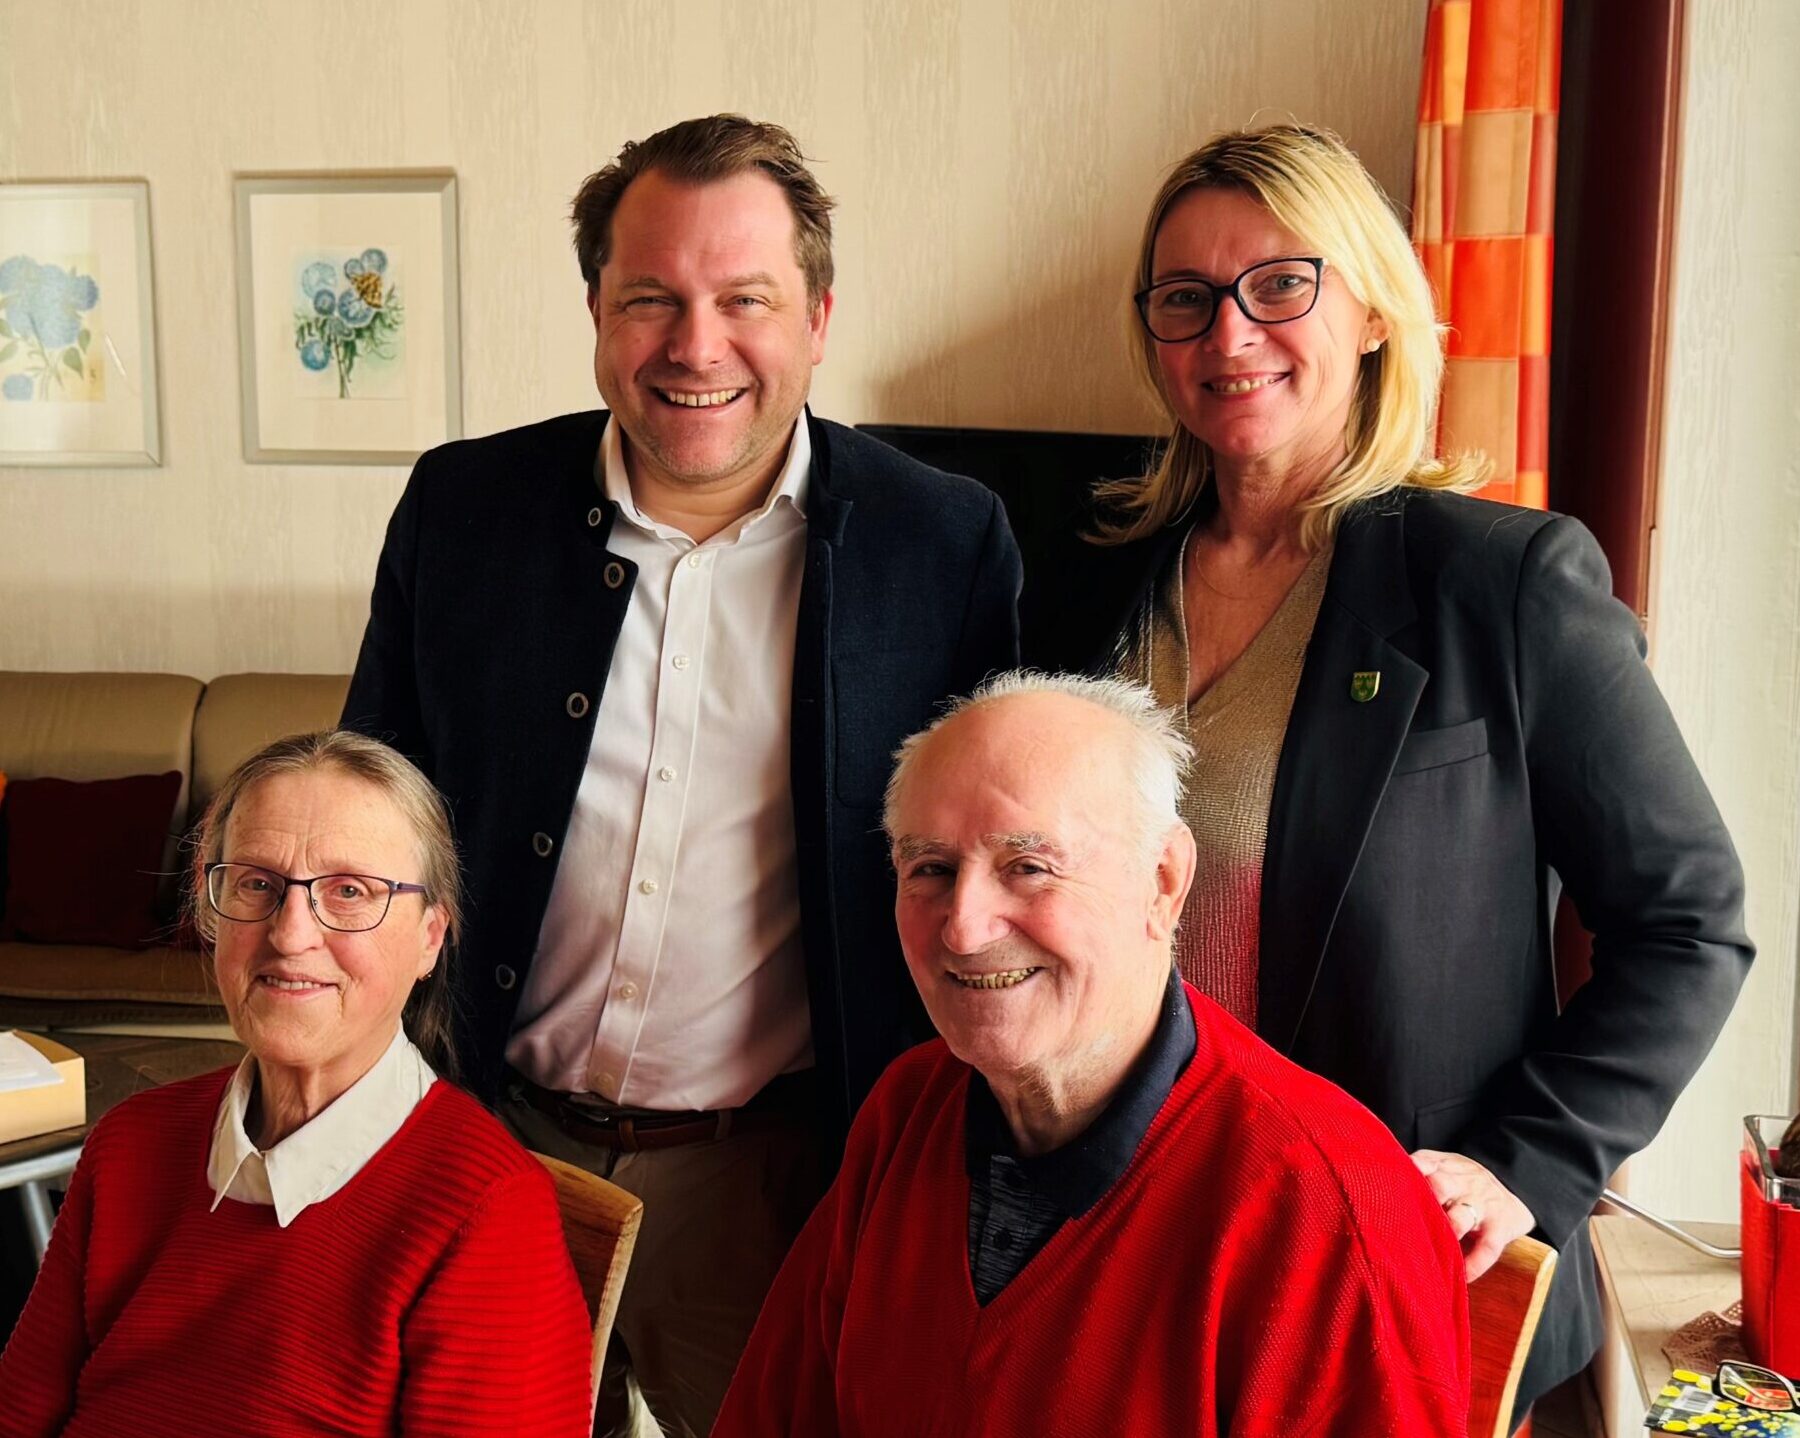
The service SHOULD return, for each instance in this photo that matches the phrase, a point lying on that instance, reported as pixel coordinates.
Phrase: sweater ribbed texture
(433, 1294)
(1270, 1263)
(1237, 728)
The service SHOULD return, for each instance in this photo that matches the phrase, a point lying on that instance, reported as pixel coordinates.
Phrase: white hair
(1158, 755)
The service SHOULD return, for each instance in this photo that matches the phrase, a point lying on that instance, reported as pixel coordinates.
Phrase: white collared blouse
(323, 1154)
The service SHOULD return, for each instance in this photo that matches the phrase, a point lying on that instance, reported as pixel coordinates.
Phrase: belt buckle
(613, 1127)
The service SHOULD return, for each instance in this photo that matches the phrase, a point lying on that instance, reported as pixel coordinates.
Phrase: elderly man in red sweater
(1097, 1204)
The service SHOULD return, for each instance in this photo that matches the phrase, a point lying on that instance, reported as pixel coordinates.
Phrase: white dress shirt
(324, 1153)
(669, 973)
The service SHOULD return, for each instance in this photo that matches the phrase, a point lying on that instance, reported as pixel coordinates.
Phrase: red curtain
(1484, 194)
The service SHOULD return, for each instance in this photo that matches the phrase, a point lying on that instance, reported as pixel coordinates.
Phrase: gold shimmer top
(1237, 728)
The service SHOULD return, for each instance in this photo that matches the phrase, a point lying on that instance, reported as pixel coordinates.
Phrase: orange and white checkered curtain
(1484, 194)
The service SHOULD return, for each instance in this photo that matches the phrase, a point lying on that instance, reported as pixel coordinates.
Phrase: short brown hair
(427, 1017)
(695, 152)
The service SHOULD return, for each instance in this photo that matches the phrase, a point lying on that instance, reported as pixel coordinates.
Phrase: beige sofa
(106, 726)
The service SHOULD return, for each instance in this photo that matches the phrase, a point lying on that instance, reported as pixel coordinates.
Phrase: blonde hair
(428, 1017)
(1311, 183)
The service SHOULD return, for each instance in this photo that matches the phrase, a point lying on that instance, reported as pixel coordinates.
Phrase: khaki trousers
(718, 1219)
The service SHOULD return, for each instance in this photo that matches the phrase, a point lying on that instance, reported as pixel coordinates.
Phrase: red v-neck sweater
(1270, 1263)
(432, 1294)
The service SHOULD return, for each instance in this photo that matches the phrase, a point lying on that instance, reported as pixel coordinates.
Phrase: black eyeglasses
(349, 903)
(1756, 1387)
(1271, 293)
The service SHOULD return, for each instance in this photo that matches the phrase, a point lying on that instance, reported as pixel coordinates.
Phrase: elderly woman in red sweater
(1097, 1204)
(330, 1238)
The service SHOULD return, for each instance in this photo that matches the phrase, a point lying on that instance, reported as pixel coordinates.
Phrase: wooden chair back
(600, 1222)
(1504, 1304)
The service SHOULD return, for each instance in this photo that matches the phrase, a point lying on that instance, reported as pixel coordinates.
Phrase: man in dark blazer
(1474, 731)
(657, 658)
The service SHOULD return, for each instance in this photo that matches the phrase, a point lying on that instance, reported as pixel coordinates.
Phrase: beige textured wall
(1726, 605)
(993, 158)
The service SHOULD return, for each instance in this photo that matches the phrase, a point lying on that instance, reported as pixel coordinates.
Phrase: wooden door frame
(1618, 181)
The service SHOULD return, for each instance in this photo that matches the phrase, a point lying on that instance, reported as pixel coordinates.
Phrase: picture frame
(349, 322)
(78, 373)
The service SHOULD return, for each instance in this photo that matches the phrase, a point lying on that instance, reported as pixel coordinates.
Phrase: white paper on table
(23, 1067)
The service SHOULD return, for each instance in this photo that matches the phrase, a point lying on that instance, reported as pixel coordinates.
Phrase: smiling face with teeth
(705, 338)
(1034, 925)
(315, 1006)
(1268, 400)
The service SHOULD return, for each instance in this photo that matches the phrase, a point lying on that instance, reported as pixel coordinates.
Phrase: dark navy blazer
(491, 630)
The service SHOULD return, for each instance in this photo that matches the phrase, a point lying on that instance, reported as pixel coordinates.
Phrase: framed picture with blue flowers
(348, 327)
(77, 326)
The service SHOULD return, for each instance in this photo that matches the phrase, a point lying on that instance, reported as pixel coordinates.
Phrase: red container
(1771, 1262)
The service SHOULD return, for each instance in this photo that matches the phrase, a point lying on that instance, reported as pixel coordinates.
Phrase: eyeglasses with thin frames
(348, 903)
(1273, 292)
(1756, 1387)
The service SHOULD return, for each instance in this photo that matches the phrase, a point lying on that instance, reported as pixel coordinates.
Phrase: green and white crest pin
(1365, 684)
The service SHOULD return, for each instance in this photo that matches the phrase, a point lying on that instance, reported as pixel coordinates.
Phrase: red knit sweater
(433, 1294)
(1270, 1263)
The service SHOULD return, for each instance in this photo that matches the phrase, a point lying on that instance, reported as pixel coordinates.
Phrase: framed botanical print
(77, 326)
(348, 322)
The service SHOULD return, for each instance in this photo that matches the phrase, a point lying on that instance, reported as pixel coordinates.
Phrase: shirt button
(1003, 1240)
(594, 517)
(542, 844)
(695, 561)
(628, 990)
(577, 705)
(666, 774)
(647, 887)
(614, 575)
(505, 977)
(680, 661)
(607, 1080)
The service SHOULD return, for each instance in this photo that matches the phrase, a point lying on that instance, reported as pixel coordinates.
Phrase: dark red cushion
(84, 860)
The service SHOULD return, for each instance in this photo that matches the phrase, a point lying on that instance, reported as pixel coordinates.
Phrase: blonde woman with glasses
(1417, 717)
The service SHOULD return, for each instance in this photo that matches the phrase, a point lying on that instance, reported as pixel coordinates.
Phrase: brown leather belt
(634, 1130)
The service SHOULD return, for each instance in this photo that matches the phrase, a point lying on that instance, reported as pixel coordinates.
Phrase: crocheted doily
(1703, 1343)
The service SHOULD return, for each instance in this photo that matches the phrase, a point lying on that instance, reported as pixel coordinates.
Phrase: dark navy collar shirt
(1017, 1204)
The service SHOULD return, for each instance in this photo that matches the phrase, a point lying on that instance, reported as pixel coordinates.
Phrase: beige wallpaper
(992, 157)
(1726, 601)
